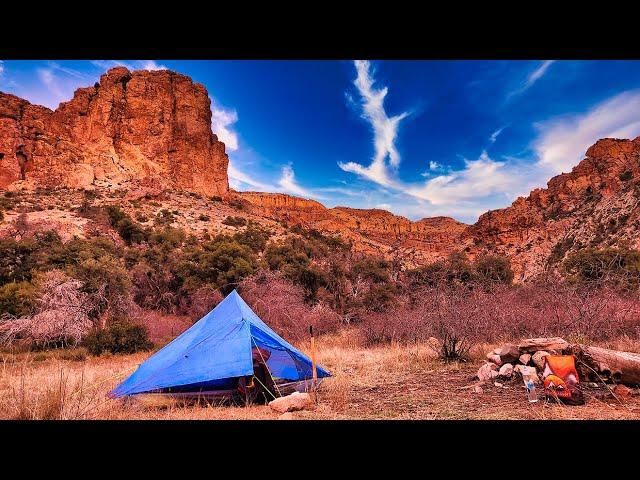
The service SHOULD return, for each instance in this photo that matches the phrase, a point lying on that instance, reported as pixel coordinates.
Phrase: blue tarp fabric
(218, 347)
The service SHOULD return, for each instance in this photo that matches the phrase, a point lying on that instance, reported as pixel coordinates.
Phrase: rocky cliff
(595, 205)
(371, 230)
(149, 126)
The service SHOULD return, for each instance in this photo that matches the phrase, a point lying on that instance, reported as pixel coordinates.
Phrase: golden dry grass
(387, 382)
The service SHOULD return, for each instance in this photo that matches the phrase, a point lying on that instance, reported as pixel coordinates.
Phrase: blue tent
(215, 351)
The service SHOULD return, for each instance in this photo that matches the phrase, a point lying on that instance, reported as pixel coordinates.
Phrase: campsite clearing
(386, 382)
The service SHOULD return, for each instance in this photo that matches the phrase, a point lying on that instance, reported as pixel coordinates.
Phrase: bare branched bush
(463, 317)
(281, 304)
(61, 318)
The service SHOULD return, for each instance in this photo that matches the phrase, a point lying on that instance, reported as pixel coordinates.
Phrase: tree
(493, 269)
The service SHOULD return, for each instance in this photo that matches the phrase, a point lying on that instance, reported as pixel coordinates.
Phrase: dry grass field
(392, 382)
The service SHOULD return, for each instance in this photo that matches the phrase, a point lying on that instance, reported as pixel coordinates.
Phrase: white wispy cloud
(386, 158)
(479, 178)
(563, 141)
(1, 67)
(52, 84)
(240, 180)
(222, 121)
(494, 136)
(151, 65)
(533, 77)
(288, 184)
(134, 65)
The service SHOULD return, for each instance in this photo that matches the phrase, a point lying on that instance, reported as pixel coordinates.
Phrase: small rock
(508, 353)
(525, 358)
(290, 403)
(478, 389)
(485, 372)
(492, 357)
(622, 391)
(538, 358)
(286, 416)
(498, 384)
(506, 370)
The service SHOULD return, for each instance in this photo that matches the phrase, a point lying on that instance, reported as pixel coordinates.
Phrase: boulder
(291, 403)
(492, 357)
(531, 345)
(498, 384)
(508, 353)
(486, 371)
(525, 358)
(478, 389)
(506, 370)
(538, 359)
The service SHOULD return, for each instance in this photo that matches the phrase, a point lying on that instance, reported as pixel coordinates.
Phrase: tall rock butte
(141, 126)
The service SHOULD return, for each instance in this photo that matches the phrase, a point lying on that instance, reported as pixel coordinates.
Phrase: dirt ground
(391, 382)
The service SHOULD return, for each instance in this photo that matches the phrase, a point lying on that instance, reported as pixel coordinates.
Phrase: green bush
(235, 221)
(616, 266)
(17, 298)
(253, 237)
(129, 230)
(164, 217)
(17, 259)
(374, 269)
(626, 176)
(120, 337)
(493, 269)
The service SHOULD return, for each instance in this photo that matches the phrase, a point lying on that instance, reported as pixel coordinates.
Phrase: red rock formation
(595, 205)
(371, 230)
(131, 126)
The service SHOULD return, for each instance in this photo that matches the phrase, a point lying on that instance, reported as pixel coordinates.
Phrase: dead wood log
(532, 345)
(621, 367)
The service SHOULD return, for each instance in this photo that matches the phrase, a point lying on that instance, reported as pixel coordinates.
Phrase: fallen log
(532, 345)
(621, 367)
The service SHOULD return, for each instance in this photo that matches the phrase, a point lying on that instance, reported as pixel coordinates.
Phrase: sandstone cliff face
(152, 126)
(370, 230)
(595, 205)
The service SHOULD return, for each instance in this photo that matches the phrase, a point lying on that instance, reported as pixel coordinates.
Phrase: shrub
(121, 337)
(129, 230)
(17, 259)
(253, 237)
(235, 221)
(61, 318)
(203, 218)
(374, 269)
(164, 217)
(626, 176)
(493, 269)
(1, 215)
(613, 266)
(17, 298)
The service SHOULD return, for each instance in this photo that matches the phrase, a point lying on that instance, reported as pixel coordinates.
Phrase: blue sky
(419, 138)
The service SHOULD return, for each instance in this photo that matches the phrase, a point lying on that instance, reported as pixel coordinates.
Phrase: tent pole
(314, 373)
